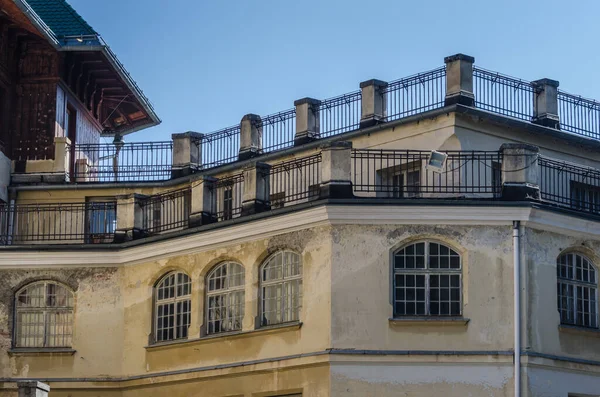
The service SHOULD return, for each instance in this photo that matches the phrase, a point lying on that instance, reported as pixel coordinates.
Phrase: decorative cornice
(311, 217)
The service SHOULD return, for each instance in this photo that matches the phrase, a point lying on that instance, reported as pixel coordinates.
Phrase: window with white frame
(44, 315)
(577, 290)
(225, 298)
(281, 288)
(172, 300)
(427, 280)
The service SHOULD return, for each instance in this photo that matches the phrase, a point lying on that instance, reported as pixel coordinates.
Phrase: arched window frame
(225, 298)
(172, 306)
(52, 315)
(422, 288)
(577, 290)
(289, 279)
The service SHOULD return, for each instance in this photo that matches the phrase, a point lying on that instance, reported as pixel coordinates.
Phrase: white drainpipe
(517, 302)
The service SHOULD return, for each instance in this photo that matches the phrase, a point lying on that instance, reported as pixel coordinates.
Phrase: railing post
(459, 80)
(187, 154)
(204, 202)
(62, 160)
(336, 170)
(545, 103)
(308, 125)
(520, 171)
(33, 388)
(373, 105)
(130, 217)
(250, 136)
(256, 189)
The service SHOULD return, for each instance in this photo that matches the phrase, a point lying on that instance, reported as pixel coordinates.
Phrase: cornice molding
(331, 214)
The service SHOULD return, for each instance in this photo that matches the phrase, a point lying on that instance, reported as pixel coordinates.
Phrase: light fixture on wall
(436, 161)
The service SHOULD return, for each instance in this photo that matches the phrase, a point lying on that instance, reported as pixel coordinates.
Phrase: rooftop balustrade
(516, 172)
(377, 102)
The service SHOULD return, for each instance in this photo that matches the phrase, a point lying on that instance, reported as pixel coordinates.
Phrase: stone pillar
(82, 171)
(204, 202)
(373, 106)
(33, 388)
(62, 154)
(336, 170)
(308, 125)
(250, 136)
(520, 171)
(187, 153)
(459, 80)
(130, 217)
(256, 189)
(545, 103)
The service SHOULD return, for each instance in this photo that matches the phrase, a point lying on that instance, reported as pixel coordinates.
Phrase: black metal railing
(416, 94)
(503, 94)
(220, 147)
(405, 174)
(294, 181)
(579, 115)
(569, 185)
(340, 114)
(278, 130)
(125, 162)
(166, 211)
(76, 223)
(228, 196)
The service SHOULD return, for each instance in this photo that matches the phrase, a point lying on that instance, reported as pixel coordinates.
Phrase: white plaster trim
(303, 219)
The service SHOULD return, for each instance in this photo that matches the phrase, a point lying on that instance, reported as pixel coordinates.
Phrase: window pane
(282, 297)
(50, 323)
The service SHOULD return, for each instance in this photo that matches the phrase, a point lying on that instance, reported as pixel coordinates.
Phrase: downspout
(517, 303)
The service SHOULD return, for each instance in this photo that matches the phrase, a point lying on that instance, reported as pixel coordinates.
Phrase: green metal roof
(61, 18)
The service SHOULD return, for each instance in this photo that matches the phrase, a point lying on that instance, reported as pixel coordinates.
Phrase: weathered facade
(438, 234)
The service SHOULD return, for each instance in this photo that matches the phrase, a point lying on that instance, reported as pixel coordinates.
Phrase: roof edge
(96, 44)
(38, 22)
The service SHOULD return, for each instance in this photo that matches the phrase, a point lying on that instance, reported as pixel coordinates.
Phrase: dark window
(585, 197)
(228, 202)
(101, 221)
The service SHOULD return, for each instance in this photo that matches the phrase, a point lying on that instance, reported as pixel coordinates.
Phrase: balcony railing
(295, 181)
(503, 94)
(62, 223)
(579, 115)
(569, 185)
(404, 174)
(416, 94)
(340, 114)
(125, 162)
(228, 195)
(492, 91)
(398, 176)
(220, 147)
(278, 130)
(166, 212)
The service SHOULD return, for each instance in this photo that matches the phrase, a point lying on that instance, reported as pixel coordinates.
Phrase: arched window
(172, 307)
(225, 297)
(577, 290)
(427, 280)
(44, 315)
(281, 288)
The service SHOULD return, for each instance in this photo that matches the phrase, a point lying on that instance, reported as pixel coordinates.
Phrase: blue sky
(204, 64)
